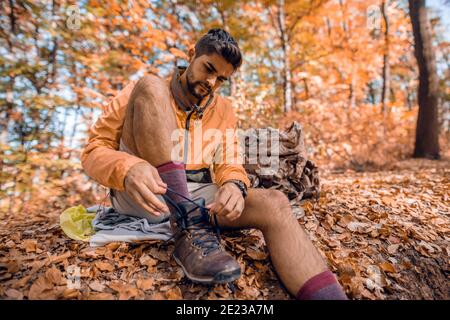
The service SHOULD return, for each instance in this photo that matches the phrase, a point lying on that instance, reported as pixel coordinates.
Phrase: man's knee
(147, 83)
(151, 86)
(277, 208)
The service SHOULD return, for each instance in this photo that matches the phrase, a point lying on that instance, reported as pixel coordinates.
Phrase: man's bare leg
(150, 121)
(293, 255)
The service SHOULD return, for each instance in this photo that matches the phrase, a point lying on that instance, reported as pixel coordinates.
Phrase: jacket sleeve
(100, 158)
(228, 164)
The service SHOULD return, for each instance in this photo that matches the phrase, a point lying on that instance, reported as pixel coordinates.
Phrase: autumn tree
(385, 92)
(427, 131)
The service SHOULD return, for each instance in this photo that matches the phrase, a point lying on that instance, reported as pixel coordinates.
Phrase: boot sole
(223, 277)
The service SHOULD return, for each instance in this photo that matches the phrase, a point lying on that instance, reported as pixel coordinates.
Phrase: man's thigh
(203, 190)
(124, 204)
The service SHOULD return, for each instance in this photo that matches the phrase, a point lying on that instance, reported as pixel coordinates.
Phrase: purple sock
(173, 174)
(323, 286)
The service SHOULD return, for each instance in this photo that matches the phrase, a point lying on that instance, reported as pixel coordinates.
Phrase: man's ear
(191, 53)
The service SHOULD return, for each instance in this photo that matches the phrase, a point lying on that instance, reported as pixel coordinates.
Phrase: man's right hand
(142, 183)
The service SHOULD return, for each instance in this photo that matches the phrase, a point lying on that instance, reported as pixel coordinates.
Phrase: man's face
(206, 74)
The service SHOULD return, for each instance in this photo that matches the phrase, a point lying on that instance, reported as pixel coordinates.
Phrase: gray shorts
(122, 202)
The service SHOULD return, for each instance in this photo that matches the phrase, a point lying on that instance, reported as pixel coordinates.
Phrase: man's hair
(221, 42)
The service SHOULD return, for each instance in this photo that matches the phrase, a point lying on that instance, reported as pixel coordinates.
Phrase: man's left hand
(228, 202)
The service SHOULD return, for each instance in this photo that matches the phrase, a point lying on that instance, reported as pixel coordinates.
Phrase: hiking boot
(197, 247)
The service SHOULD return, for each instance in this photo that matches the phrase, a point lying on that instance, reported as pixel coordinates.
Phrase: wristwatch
(240, 185)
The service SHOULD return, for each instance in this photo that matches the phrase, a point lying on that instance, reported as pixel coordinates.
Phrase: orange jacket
(103, 162)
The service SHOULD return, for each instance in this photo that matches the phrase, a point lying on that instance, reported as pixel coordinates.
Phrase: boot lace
(198, 226)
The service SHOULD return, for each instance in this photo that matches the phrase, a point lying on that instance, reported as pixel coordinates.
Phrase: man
(130, 150)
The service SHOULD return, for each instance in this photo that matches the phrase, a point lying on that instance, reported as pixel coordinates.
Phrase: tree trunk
(385, 92)
(427, 130)
(286, 48)
(351, 90)
(305, 85)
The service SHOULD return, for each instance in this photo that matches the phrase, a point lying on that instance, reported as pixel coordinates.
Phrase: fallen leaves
(54, 276)
(359, 227)
(11, 266)
(145, 284)
(377, 217)
(148, 261)
(42, 288)
(14, 294)
(104, 266)
(97, 286)
(393, 248)
(125, 291)
(174, 294)
(30, 245)
(387, 267)
(101, 296)
(60, 258)
(256, 254)
(378, 248)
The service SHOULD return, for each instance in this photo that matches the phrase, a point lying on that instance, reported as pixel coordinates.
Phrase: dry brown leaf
(54, 276)
(30, 245)
(174, 294)
(393, 248)
(256, 255)
(166, 287)
(71, 294)
(145, 284)
(359, 227)
(387, 267)
(157, 296)
(37, 265)
(89, 253)
(12, 266)
(21, 282)
(104, 266)
(125, 291)
(42, 288)
(148, 261)
(128, 293)
(345, 220)
(100, 251)
(14, 294)
(332, 243)
(113, 246)
(97, 286)
(161, 255)
(101, 296)
(60, 258)
(222, 291)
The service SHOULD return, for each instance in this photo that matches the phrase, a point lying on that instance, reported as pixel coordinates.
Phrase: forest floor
(384, 233)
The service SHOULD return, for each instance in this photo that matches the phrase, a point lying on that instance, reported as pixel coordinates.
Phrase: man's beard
(192, 85)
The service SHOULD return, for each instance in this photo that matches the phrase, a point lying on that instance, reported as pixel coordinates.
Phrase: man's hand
(228, 202)
(142, 183)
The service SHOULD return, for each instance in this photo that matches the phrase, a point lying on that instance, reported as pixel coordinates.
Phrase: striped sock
(323, 286)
